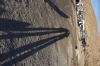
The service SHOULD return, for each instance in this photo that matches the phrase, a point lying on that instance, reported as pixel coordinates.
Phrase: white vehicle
(79, 6)
(82, 35)
(79, 2)
(80, 14)
(81, 25)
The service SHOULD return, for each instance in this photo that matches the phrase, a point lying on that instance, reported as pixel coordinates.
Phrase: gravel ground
(35, 32)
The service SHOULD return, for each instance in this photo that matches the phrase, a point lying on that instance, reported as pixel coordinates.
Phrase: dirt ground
(35, 32)
(93, 38)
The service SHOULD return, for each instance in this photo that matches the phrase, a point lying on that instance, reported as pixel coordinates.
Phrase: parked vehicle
(82, 35)
(79, 3)
(80, 14)
(83, 42)
(80, 22)
(81, 25)
(79, 8)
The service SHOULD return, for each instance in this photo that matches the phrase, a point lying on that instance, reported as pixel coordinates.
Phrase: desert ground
(45, 33)
(37, 32)
(92, 56)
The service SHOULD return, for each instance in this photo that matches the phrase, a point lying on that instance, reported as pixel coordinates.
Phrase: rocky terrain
(37, 32)
(93, 39)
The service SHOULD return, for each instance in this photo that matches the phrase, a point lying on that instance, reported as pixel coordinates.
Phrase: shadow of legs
(34, 47)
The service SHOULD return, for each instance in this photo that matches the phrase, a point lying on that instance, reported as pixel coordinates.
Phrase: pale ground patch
(70, 50)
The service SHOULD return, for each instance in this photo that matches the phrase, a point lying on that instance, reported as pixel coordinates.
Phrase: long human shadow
(8, 26)
(14, 25)
(61, 13)
(21, 35)
(1, 2)
(33, 47)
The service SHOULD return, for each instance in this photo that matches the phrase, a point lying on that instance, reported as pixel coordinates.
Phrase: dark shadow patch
(2, 11)
(13, 25)
(1, 2)
(56, 9)
(8, 26)
(34, 47)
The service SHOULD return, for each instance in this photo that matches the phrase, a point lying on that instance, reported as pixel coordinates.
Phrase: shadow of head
(66, 31)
